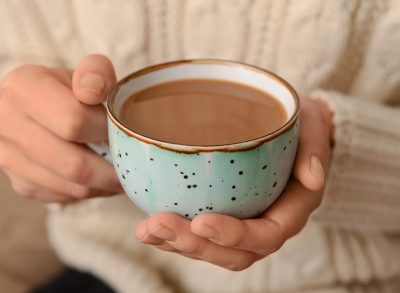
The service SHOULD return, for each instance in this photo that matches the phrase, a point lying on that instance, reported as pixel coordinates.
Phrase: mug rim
(186, 148)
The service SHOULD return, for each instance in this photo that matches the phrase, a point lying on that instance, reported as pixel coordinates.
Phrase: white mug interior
(205, 69)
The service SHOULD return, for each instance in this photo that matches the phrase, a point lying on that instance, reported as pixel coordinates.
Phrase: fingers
(28, 189)
(264, 235)
(314, 147)
(143, 235)
(293, 208)
(71, 162)
(19, 166)
(261, 236)
(43, 124)
(42, 94)
(92, 79)
(166, 247)
(175, 231)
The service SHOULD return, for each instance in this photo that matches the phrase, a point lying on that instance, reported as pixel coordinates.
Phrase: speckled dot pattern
(242, 184)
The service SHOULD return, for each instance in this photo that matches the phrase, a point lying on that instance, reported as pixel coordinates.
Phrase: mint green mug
(241, 179)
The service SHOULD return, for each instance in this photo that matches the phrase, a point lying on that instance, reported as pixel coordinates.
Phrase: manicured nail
(208, 232)
(92, 81)
(316, 168)
(162, 232)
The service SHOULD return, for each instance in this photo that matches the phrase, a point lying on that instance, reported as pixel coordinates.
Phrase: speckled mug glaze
(241, 179)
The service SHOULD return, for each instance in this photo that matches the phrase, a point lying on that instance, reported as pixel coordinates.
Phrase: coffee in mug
(203, 112)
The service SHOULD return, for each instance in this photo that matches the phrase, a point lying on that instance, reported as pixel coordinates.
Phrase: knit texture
(359, 193)
(342, 51)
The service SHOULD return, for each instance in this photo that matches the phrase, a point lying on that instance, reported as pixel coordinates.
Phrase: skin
(43, 152)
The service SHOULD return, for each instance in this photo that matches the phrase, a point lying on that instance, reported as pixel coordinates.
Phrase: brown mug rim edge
(234, 147)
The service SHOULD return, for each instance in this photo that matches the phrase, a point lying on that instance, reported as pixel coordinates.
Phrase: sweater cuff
(363, 185)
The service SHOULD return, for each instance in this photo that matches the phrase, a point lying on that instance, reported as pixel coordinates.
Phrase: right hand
(47, 117)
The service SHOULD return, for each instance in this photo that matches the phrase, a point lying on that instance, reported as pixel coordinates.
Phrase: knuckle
(78, 191)
(83, 192)
(72, 125)
(276, 246)
(279, 238)
(235, 241)
(24, 190)
(195, 248)
(76, 169)
(16, 85)
(238, 266)
(167, 247)
(15, 76)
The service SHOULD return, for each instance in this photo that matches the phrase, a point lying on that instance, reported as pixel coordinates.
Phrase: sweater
(345, 52)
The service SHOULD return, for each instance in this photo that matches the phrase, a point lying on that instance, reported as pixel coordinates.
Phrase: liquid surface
(202, 112)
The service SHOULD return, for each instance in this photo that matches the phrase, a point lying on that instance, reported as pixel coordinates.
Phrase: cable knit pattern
(345, 52)
(364, 175)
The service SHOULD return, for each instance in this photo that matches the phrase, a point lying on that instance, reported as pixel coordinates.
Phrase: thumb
(314, 147)
(92, 79)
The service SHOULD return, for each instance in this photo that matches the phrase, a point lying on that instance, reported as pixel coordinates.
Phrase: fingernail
(316, 168)
(162, 232)
(120, 189)
(92, 81)
(142, 234)
(208, 232)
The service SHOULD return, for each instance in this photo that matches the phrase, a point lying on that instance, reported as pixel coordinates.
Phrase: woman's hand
(46, 117)
(236, 244)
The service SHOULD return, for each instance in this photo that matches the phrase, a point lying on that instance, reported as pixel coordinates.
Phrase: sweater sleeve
(363, 186)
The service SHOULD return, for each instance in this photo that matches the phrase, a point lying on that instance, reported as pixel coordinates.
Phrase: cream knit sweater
(346, 52)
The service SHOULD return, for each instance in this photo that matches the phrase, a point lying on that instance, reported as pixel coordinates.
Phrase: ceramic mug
(241, 179)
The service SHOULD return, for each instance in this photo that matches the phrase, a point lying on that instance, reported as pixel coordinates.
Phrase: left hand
(236, 244)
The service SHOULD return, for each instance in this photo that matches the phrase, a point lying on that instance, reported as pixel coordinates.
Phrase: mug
(241, 179)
